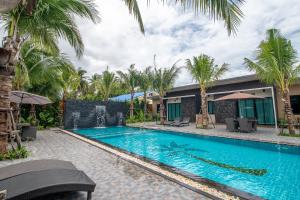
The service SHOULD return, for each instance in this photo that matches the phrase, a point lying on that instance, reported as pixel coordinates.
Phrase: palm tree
(94, 82)
(41, 72)
(276, 64)
(131, 81)
(163, 80)
(83, 87)
(146, 78)
(107, 81)
(44, 24)
(205, 72)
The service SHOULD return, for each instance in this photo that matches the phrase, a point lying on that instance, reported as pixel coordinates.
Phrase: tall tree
(205, 72)
(43, 23)
(83, 87)
(41, 72)
(94, 82)
(107, 81)
(131, 81)
(163, 80)
(145, 85)
(276, 63)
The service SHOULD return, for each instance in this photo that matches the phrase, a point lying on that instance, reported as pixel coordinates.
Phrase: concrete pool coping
(205, 132)
(198, 184)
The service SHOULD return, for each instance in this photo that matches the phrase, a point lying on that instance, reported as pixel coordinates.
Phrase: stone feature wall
(188, 108)
(225, 109)
(87, 110)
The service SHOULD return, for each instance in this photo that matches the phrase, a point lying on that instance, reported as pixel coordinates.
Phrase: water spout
(76, 117)
(100, 115)
(120, 118)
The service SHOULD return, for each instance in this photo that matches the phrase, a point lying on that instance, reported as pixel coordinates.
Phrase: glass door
(174, 111)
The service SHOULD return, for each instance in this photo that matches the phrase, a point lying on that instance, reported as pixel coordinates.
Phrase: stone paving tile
(115, 178)
(263, 134)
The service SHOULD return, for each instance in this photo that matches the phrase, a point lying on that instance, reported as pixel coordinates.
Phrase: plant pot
(29, 133)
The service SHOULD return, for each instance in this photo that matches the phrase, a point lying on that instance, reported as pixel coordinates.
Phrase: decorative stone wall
(87, 110)
(225, 109)
(188, 108)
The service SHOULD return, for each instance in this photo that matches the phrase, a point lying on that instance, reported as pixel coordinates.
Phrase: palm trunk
(204, 107)
(131, 104)
(6, 72)
(5, 89)
(145, 104)
(288, 111)
(161, 110)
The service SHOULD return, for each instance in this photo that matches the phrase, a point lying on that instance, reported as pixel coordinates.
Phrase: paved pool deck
(263, 134)
(116, 179)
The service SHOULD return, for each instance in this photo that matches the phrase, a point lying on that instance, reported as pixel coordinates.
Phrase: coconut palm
(163, 80)
(146, 78)
(276, 63)
(94, 82)
(83, 87)
(205, 72)
(107, 81)
(41, 72)
(43, 23)
(131, 81)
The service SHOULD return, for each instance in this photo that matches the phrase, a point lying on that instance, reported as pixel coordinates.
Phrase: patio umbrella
(238, 96)
(22, 97)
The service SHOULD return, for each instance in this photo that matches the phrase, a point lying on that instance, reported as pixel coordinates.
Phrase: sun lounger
(33, 179)
(184, 122)
(231, 125)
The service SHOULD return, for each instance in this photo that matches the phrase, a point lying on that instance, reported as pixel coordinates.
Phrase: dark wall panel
(188, 108)
(87, 111)
(225, 109)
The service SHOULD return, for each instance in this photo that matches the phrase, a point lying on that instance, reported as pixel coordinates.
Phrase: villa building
(185, 101)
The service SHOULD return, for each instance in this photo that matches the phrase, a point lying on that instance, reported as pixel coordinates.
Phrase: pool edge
(197, 184)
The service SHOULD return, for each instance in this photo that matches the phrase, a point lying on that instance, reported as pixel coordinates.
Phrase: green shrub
(15, 154)
(139, 117)
(46, 120)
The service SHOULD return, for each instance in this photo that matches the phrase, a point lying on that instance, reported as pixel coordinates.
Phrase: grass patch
(289, 135)
(15, 154)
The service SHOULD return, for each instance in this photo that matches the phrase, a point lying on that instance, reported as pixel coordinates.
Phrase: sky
(172, 34)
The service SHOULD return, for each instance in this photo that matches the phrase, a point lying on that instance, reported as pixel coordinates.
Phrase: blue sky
(172, 34)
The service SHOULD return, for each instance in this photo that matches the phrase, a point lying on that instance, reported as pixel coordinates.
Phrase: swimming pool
(266, 170)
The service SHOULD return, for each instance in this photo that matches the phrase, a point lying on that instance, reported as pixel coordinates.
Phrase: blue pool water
(266, 170)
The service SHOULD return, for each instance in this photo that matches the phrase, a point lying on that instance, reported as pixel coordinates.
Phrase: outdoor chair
(231, 125)
(179, 123)
(245, 125)
(185, 121)
(32, 179)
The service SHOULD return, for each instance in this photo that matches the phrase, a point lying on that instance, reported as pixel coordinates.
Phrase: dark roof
(240, 79)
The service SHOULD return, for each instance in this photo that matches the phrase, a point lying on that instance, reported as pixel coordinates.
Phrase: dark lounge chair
(38, 178)
(184, 122)
(246, 125)
(231, 125)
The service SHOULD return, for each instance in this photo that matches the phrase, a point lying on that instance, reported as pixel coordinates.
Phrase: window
(295, 104)
(211, 107)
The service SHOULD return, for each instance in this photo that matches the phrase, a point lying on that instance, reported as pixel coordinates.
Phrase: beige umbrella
(22, 97)
(238, 96)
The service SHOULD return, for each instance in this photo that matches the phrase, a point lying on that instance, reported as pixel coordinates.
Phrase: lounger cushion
(34, 165)
(39, 183)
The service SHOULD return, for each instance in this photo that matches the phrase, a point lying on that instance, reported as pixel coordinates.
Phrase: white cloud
(172, 35)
